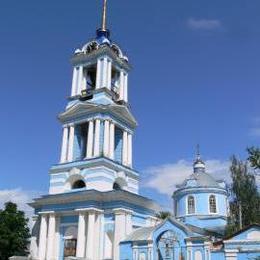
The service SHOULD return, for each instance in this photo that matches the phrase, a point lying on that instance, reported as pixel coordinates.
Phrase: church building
(93, 210)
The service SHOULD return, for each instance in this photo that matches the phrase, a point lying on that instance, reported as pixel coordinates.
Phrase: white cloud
(204, 24)
(164, 178)
(21, 198)
(255, 132)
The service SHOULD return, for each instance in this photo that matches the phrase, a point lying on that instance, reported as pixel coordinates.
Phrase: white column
(98, 241)
(90, 139)
(81, 241)
(99, 74)
(64, 146)
(150, 251)
(123, 222)
(125, 149)
(101, 237)
(112, 141)
(43, 237)
(51, 237)
(35, 234)
(84, 79)
(121, 91)
(71, 143)
(80, 80)
(109, 74)
(104, 72)
(129, 224)
(129, 149)
(106, 139)
(90, 235)
(57, 238)
(97, 138)
(125, 87)
(74, 82)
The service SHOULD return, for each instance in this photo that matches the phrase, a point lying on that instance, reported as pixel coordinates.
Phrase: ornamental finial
(198, 152)
(104, 16)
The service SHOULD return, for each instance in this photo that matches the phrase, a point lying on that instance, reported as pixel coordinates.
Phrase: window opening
(212, 204)
(91, 75)
(191, 205)
(116, 186)
(80, 184)
(115, 80)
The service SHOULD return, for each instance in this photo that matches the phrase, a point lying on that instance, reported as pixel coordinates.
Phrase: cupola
(198, 165)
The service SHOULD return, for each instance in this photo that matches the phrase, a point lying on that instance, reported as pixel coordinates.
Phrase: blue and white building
(93, 210)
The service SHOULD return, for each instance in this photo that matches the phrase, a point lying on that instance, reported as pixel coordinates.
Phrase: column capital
(44, 213)
(90, 210)
(119, 211)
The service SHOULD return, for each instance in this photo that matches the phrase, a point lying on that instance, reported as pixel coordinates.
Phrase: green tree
(245, 198)
(254, 157)
(163, 215)
(14, 232)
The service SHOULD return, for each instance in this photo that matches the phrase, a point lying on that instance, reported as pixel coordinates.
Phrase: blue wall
(126, 252)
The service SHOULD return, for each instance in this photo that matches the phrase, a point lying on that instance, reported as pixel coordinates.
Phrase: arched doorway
(168, 246)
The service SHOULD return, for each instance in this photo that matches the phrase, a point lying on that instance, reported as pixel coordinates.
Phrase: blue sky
(195, 79)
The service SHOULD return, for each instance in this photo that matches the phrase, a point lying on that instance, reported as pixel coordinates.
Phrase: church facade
(94, 211)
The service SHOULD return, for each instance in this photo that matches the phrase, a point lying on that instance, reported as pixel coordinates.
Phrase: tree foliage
(244, 196)
(254, 157)
(14, 232)
(163, 215)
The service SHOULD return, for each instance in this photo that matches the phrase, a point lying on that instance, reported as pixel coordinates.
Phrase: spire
(104, 16)
(198, 152)
(199, 165)
(103, 31)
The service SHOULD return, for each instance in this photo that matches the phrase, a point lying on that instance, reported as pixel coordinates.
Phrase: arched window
(212, 204)
(116, 186)
(191, 205)
(79, 184)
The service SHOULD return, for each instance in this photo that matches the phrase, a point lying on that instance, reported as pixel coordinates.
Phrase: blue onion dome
(102, 40)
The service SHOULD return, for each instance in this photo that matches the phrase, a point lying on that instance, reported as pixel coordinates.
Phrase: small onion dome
(199, 166)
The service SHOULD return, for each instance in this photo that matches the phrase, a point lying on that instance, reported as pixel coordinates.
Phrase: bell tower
(98, 126)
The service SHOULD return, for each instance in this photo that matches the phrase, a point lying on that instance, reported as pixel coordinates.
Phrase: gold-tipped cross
(104, 16)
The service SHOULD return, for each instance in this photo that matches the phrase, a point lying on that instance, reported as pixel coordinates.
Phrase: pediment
(250, 233)
(86, 108)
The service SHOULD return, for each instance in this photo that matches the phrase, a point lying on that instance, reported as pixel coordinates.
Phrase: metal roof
(141, 234)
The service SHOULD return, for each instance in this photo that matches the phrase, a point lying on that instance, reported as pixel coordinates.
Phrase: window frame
(194, 205)
(209, 204)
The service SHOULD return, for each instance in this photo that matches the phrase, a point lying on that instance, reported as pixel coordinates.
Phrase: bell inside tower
(90, 74)
(115, 81)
